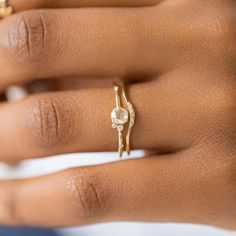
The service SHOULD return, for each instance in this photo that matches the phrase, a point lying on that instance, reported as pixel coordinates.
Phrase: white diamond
(119, 116)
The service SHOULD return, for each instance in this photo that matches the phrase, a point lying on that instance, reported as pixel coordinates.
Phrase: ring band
(132, 117)
(5, 9)
(121, 116)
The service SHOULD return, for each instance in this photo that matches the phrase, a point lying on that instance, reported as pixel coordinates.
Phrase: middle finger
(83, 43)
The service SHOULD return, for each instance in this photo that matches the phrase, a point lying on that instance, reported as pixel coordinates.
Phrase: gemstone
(119, 116)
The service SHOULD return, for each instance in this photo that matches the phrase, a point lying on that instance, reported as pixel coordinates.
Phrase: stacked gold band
(131, 120)
(5, 9)
(121, 116)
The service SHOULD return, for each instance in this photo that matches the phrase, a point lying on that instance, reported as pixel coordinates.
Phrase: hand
(183, 51)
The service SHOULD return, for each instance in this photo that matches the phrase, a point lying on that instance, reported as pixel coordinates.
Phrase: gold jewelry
(5, 9)
(119, 117)
(132, 116)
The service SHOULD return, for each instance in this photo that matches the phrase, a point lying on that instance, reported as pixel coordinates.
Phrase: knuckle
(220, 31)
(29, 37)
(219, 28)
(222, 99)
(217, 117)
(86, 193)
(221, 107)
(49, 122)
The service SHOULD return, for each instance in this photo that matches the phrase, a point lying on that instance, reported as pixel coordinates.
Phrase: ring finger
(79, 121)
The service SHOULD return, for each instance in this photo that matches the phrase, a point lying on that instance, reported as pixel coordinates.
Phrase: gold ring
(5, 9)
(132, 117)
(120, 117)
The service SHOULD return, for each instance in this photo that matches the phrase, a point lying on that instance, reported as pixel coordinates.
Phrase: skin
(182, 53)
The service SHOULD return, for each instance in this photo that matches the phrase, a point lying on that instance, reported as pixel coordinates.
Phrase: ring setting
(119, 117)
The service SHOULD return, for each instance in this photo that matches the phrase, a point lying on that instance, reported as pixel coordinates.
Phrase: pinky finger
(157, 189)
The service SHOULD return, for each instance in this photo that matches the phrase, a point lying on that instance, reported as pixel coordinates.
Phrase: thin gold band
(5, 9)
(119, 129)
(120, 116)
(132, 117)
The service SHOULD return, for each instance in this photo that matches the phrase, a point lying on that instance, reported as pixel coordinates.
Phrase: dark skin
(183, 53)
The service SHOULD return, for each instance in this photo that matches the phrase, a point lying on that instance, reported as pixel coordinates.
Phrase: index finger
(40, 44)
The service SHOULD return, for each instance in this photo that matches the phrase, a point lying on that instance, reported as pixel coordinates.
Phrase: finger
(79, 121)
(48, 44)
(20, 5)
(160, 189)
